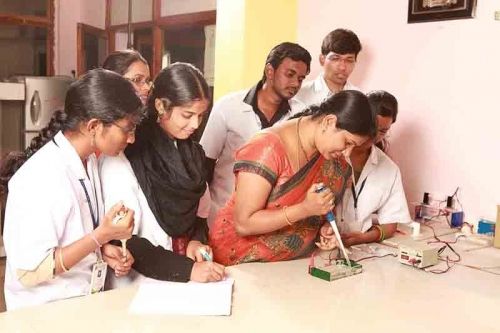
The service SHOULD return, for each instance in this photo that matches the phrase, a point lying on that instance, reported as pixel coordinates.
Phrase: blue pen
(206, 256)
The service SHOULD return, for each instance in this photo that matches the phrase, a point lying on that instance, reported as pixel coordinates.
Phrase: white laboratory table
(282, 297)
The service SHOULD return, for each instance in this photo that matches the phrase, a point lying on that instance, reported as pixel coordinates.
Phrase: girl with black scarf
(161, 176)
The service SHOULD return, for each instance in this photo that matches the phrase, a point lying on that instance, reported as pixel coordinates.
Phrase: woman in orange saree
(275, 213)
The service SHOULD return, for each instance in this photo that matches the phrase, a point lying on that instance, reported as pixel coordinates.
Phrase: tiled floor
(2, 276)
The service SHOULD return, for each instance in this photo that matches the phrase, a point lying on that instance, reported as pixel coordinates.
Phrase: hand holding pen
(207, 270)
(205, 255)
(193, 250)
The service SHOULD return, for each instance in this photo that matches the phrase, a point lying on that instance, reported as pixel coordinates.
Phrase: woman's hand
(193, 250)
(353, 238)
(207, 271)
(327, 240)
(108, 230)
(113, 256)
(318, 203)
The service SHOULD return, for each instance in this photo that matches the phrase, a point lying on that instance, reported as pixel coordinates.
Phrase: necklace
(300, 147)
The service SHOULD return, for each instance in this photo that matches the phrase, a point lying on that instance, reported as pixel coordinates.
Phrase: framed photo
(438, 10)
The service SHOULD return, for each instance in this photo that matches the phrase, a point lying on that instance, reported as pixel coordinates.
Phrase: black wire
(441, 271)
(371, 257)
(455, 195)
(447, 259)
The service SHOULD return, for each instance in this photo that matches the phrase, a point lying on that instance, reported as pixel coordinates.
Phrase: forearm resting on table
(51, 265)
(373, 234)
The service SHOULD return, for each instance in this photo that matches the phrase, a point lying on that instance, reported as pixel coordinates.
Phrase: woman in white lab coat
(376, 202)
(162, 176)
(55, 223)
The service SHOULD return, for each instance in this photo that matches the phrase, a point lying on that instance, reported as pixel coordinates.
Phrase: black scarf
(172, 179)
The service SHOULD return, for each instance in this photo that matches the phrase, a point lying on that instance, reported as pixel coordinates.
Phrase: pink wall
(446, 76)
(67, 14)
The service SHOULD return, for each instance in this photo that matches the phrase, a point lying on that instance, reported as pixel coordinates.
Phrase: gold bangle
(286, 216)
(381, 233)
(61, 260)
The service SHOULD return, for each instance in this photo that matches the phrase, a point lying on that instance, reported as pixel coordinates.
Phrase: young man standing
(339, 52)
(236, 117)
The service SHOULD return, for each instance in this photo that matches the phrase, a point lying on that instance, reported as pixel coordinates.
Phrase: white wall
(142, 10)
(175, 7)
(446, 76)
(68, 13)
(93, 12)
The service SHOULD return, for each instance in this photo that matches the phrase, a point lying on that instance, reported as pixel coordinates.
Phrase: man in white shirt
(339, 52)
(378, 191)
(236, 117)
(371, 209)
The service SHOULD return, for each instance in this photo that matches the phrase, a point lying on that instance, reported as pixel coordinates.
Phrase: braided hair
(99, 94)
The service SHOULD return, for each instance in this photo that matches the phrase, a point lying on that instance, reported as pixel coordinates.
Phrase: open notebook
(192, 298)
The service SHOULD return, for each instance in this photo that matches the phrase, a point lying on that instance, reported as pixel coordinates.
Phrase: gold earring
(92, 140)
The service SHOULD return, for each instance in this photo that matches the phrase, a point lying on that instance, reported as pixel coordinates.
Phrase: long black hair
(176, 85)
(99, 94)
(352, 109)
(386, 105)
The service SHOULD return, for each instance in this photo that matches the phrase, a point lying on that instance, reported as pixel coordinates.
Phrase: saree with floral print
(265, 155)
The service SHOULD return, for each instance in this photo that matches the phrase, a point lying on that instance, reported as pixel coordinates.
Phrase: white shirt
(47, 208)
(119, 183)
(231, 124)
(315, 92)
(382, 194)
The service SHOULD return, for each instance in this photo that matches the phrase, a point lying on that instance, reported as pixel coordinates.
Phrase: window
(26, 31)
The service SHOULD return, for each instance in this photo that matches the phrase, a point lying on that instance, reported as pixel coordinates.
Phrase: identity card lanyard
(100, 267)
(355, 197)
(95, 217)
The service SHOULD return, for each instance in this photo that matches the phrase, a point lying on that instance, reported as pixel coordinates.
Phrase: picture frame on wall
(438, 10)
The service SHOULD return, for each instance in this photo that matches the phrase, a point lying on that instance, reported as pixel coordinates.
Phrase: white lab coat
(382, 195)
(47, 208)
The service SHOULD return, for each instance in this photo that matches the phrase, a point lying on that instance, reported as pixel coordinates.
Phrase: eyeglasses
(140, 81)
(125, 130)
(337, 58)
